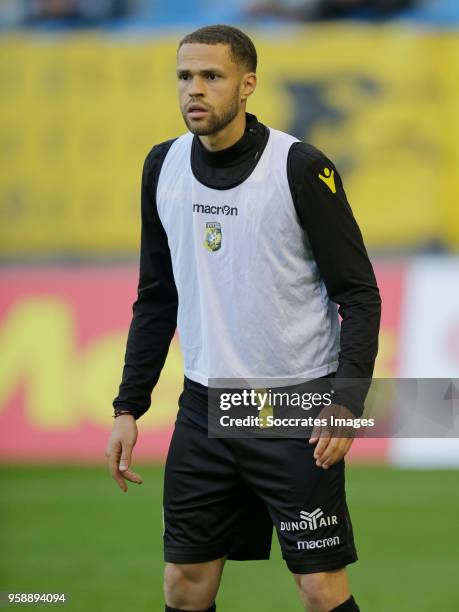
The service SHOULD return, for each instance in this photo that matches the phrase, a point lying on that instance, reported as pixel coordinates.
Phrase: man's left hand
(333, 442)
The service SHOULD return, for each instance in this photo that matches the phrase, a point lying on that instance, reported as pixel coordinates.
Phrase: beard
(214, 122)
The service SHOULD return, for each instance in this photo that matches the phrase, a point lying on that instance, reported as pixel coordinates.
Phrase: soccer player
(249, 247)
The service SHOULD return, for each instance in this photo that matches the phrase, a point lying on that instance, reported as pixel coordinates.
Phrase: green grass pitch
(70, 529)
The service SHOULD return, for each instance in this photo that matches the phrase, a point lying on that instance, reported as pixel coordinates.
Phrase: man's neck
(226, 137)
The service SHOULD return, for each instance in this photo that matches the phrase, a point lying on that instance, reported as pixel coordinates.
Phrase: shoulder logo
(213, 236)
(328, 177)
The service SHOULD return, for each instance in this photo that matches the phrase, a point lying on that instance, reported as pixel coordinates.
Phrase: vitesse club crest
(213, 237)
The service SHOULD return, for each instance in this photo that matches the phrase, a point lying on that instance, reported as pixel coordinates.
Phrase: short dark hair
(242, 48)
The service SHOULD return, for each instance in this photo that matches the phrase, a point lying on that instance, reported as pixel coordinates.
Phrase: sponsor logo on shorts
(313, 544)
(309, 521)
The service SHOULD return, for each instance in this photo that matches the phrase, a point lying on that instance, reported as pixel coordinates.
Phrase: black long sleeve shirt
(335, 240)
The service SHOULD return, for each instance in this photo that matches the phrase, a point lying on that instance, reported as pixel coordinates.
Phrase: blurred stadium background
(87, 87)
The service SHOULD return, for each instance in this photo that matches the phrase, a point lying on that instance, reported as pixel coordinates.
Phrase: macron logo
(311, 517)
(212, 209)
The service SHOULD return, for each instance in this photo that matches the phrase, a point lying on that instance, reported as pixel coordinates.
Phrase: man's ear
(248, 85)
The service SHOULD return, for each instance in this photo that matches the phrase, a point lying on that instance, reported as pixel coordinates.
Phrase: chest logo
(213, 236)
(328, 177)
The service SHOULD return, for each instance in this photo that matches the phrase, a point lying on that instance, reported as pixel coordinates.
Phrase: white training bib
(251, 300)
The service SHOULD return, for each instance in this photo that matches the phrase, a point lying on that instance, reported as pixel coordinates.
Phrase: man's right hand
(119, 450)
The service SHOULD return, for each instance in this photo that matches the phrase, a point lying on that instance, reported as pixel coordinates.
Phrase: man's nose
(195, 87)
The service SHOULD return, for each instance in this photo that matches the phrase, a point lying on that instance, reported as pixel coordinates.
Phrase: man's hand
(332, 442)
(119, 450)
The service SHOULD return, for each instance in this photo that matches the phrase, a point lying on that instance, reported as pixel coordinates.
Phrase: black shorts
(222, 497)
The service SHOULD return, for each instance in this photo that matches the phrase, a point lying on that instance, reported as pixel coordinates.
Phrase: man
(248, 244)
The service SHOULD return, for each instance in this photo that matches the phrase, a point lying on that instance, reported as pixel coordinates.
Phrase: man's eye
(183, 77)
(212, 76)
